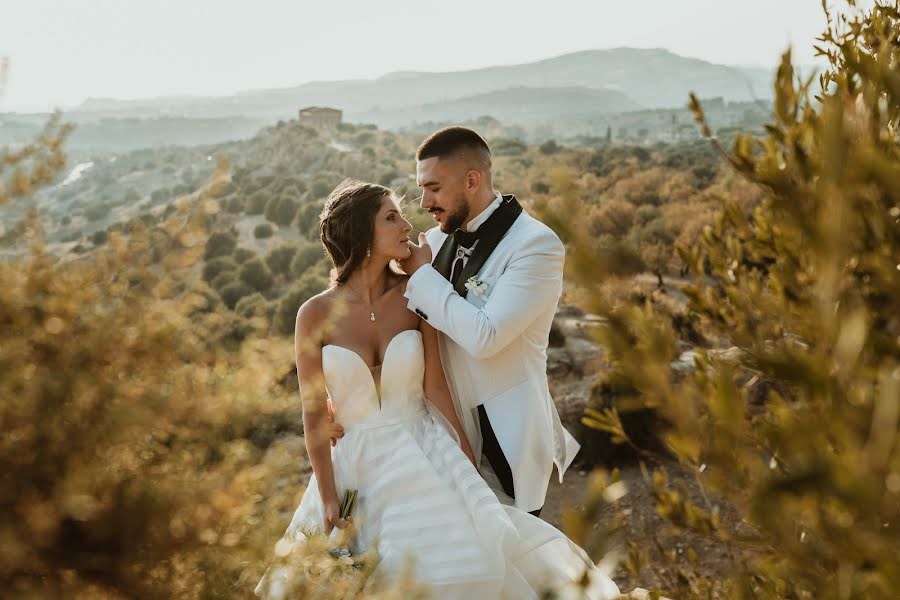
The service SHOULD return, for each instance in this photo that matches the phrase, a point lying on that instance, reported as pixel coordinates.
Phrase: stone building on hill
(320, 117)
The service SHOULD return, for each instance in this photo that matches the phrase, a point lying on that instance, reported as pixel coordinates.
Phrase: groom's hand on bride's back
(419, 255)
(335, 433)
(335, 430)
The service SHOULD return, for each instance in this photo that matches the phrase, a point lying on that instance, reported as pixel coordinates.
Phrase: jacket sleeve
(531, 282)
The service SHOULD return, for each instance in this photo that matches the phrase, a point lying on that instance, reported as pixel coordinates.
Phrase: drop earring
(369, 253)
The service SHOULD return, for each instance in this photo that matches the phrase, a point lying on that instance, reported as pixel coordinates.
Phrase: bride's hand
(333, 517)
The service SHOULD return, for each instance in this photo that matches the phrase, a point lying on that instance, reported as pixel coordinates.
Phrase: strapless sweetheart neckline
(387, 349)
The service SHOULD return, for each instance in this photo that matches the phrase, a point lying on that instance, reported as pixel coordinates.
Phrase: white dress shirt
(474, 224)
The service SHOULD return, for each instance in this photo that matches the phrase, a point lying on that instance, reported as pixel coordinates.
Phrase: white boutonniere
(477, 287)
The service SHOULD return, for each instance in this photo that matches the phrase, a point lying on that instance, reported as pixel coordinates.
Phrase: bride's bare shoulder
(314, 312)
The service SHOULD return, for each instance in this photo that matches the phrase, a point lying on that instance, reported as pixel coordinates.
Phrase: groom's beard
(457, 217)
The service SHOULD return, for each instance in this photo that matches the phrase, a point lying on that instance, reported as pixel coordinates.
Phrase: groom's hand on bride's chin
(419, 255)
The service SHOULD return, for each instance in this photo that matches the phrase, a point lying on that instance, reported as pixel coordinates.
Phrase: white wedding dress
(419, 496)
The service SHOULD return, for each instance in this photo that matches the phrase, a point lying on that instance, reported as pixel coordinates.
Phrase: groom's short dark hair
(452, 140)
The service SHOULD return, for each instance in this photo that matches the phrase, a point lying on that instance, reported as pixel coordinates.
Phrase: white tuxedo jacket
(494, 349)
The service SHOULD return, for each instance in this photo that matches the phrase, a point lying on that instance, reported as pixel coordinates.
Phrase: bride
(403, 447)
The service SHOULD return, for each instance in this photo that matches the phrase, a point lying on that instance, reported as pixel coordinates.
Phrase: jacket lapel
(443, 262)
(493, 231)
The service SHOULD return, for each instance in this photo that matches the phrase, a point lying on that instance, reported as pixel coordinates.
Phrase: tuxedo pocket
(476, 300)
(478, 291)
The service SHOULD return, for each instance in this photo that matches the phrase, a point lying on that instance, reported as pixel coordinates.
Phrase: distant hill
(522, 105)
(575, 93)
(654, 78)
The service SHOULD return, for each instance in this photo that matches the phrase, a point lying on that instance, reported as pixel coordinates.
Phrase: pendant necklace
(358, 295)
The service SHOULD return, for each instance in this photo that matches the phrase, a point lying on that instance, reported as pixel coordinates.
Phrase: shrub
(614, 218)
(306, 221)
(508, 147)
(263, 230)
(540, 187)
(256, 274)
(216, 266)
(242, 255)
(254, 305)
(322, 183)
(99, 237)
(221, 243)
(235, 204)
(122, 421)
(280, 258)
(305, 257)
(223, 279)
(804, 289)
(233, 292)
(281, 210)
(549, 147)
(256, 203)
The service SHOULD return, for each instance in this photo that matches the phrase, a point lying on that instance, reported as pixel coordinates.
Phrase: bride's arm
(308, 339)
(436, 389)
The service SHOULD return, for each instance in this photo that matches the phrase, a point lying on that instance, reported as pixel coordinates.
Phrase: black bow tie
(466, 239)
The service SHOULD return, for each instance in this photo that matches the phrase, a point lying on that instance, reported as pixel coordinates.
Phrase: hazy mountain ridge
(513, 105)
(571, 93)
(654, 78)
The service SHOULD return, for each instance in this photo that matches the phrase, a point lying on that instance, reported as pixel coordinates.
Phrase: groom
(492, 291)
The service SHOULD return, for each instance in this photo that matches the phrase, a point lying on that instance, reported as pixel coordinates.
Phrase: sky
(63, 51)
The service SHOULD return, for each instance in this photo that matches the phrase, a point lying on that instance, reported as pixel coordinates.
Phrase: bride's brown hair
(347, 224)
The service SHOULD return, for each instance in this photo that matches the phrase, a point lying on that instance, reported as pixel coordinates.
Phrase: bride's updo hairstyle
(347, 224)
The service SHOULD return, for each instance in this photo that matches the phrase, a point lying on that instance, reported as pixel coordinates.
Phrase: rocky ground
(574, 361)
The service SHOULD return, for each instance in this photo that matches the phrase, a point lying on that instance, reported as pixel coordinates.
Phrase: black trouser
(491, 449)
